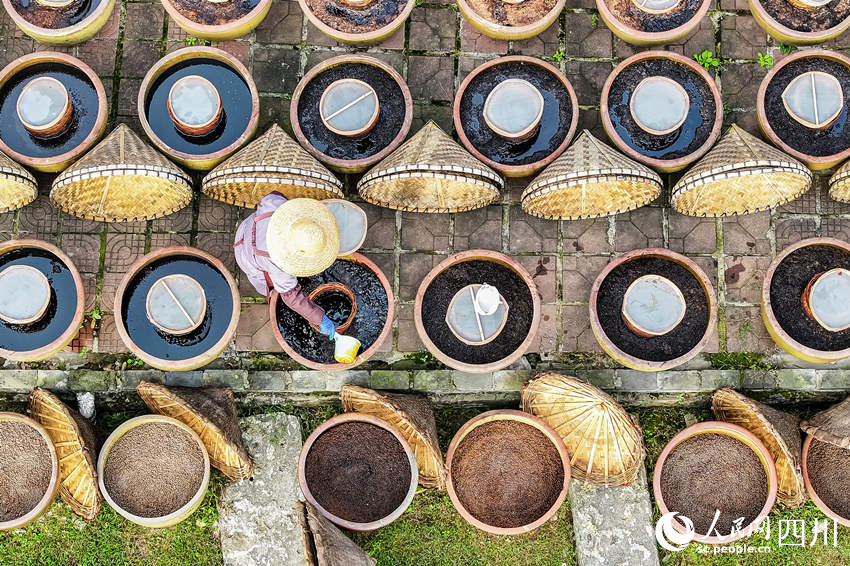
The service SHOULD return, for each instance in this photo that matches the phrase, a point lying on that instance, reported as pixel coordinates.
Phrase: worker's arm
(297, 300)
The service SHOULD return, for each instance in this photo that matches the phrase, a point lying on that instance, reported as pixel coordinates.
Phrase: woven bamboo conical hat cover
(211, 413)
(122, 179)
(17, 187)
(831, 425)
(272, 162)
(74, 440)
(430, 173)
(413, 417)
(740, 174)
(604, 442)
(588, 180)
(839, 183)
(780, 433)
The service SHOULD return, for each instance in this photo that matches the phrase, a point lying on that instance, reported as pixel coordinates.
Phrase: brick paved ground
(434, 52)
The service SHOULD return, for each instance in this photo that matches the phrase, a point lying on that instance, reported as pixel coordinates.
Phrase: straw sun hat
(303, 237)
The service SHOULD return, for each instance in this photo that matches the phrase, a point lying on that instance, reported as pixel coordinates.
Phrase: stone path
(257, 523)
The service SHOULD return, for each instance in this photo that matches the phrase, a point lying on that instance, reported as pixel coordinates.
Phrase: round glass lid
(477, 314)
(44, 106)
(56, 3)
(814, 99)
(811, 3)
(653, 306)
(351, 221)
(513, 109)
(659, 105)
(176, 304)
(24, 294)
(656, 6)
(349, 107)
(194, 105)
(829, 299)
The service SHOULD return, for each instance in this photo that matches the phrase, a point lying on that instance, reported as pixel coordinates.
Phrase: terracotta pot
(785, 34)
(738, 433)
(350, 165)
(367, 419)
(367, 38)
(515, 170)
(844, 521)
(510, 33)
(203, 162)
(81, 31)
(222, 32)
(59, 162)
(362, 356)
(53, 484)
(507, 415)
(483, 255)
(776, 331)
(336, 286)
(815, 163)
(639, 37)
(189, 363)
(172, 518)
(663, 165)
(76, 322)
(629, 360)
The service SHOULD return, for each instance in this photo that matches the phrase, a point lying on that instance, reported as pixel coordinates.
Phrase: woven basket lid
(740, 174)
(122, 179)
(211, 413)
(17, 187)
(413, 417)
(430, 173)
(74, 440)
(590, 179)
(831, 425)
(839, 183)
(780, 433)
(272, 162)
(604, 442)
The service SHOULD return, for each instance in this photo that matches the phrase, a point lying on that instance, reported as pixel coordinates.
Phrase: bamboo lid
(74, 440)
(17, 186)
(413, 418)
(272, 162)
(778, 431)
(831, 425)
(590, 179)
(122, 179)
(604, 442)
(839, 183)
(739, 175)
(430, 173)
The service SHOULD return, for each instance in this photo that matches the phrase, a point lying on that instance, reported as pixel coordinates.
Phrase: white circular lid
(468, 324)
(55, 3)
(657, 6)
(830, 299)
(659, 105)
(811, 3)
(349, 107)
(352, 223)
(194, 102)
(513, 108)
(814, 99)
(24, 294)
(653, 305)
(43, 103)
(176, 304)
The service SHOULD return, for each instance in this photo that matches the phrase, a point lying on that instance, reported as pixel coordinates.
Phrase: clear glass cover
(351, 221)
(654, 305)
(513, 108)
(659, 105)
(814, 99)
(830, 299)
(468, 324)
(24, 294)
(176, 304)
(656, 6)
(349, 107)
(43, 102)
(194, 101)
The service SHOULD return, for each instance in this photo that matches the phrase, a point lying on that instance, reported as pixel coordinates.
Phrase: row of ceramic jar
(642, 22)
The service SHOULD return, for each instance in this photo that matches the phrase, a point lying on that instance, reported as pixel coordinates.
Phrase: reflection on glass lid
(24, 294)
(176, 304)
(830, 299)
(194, 102)
(656, 6)
(43, 104)
(349, 107)
(659, 105)
(653, 305)
(814, 99)
(513, 108)
(465, 316)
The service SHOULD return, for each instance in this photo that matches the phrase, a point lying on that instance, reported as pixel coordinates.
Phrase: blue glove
(327, 327)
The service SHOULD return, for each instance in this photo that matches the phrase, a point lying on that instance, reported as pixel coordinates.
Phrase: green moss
(738, 360)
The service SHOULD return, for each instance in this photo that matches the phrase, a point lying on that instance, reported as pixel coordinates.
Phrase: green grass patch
(738, 360)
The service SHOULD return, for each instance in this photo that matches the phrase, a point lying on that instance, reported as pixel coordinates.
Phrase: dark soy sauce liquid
(236, 101)
(60, 311)
(83, 97)
(55, 19)
(165, 346)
